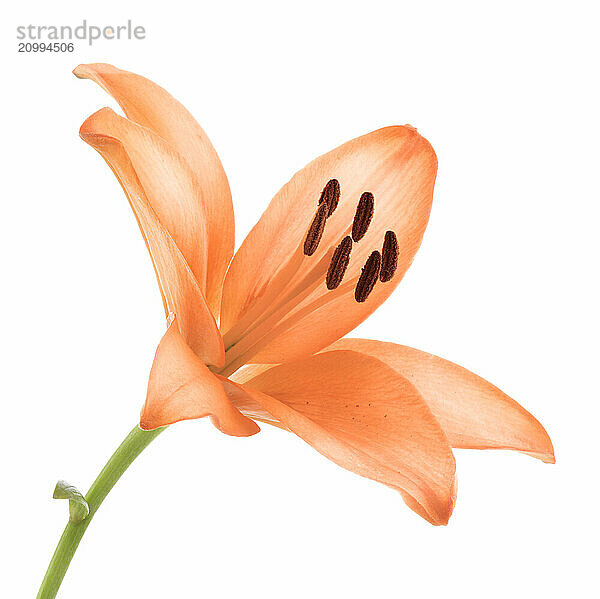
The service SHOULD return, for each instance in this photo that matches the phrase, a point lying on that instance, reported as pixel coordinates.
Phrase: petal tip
(436, 513)
(443, 515)
(246, 428)
(80, 71)
(411, 133)
(84, 71)
(87, 71)
(90, 126)
(547, 456)
(541, 446)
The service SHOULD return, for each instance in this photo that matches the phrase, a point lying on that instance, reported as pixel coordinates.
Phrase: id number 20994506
(45, 47)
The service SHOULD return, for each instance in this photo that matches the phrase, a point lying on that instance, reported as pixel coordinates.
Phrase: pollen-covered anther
(368, 277)
(315, 231)
(363, 216)
(331, 195)
(339, 263)
(389, 257)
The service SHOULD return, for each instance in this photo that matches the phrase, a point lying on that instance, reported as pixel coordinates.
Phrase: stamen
(389, 257)
(315, 232)
(243, 352)
(339, 263)
(363, 216)
(331, 195)
(283, 285)
(368, 277)
(287, 299)
(281, 311)
(266, 298)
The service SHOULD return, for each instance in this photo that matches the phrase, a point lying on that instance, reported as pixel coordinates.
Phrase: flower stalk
(131, 447)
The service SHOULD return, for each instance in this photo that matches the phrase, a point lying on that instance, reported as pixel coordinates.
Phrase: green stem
(135, 442)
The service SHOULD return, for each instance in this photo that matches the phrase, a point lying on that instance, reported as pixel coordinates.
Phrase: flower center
(282, 305)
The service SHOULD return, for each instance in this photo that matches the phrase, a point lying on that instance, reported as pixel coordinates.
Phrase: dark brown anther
(363, 216)
(331, 195)
(389, 256)
(368, 277)
(315, 232)
(339, 263)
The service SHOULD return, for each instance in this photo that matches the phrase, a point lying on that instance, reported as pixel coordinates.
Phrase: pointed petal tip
(548, 457)
(80, 71)
(447, 508)
(543, 449)
(439, 517)
(87, 71)
(90, 125)
(545, 452)
(409, 131)
(538, 444)
(248, 428)
(406, 130)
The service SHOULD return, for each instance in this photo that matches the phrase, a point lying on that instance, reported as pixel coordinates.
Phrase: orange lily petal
(181, 387)
(148, 104)
(363, 416)
(149, 172)
(398, 167)
(167, 182)
(473, 413)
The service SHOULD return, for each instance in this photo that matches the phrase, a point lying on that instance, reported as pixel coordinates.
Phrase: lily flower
(258, 336)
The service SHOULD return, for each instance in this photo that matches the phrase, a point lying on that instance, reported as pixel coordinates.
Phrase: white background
(505, 284)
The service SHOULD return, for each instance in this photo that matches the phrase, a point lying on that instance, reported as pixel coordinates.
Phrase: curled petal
(150, 173)
(167, 182)
(473, 413)
(149, 105)
(398, 167)
(363, 416)
(181, 387)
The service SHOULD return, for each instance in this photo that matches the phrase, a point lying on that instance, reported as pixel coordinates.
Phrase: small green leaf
(78, 507)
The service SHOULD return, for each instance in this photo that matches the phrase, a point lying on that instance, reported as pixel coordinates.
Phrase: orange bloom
(329, 249)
